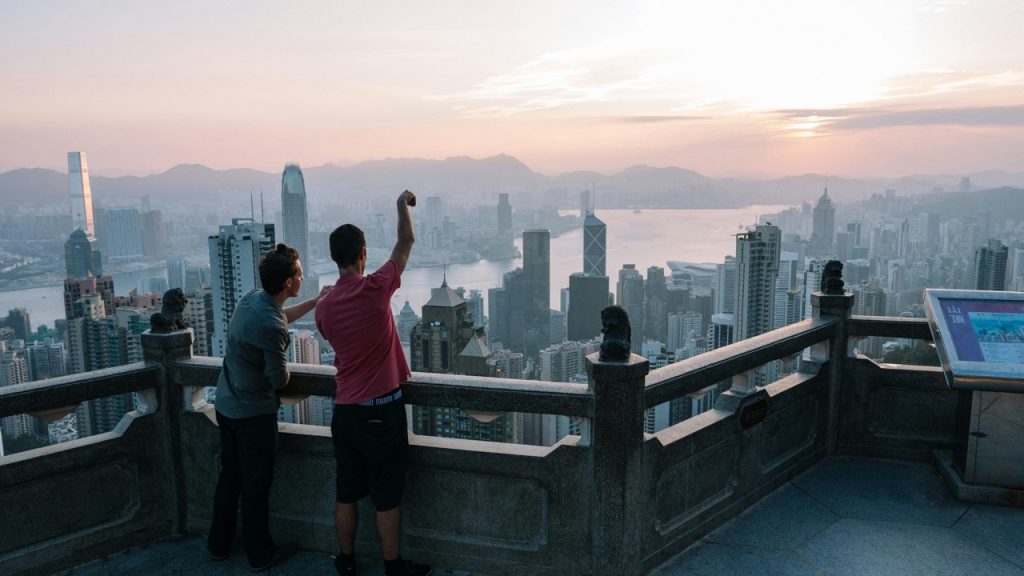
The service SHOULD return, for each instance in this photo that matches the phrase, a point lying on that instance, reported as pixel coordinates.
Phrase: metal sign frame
(964, 366)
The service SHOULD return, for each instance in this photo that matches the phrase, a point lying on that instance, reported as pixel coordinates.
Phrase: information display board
(979, 335)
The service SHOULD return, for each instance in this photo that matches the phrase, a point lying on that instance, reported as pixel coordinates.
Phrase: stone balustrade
(614, 500)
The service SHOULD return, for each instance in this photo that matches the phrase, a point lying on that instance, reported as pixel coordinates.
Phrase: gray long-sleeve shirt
(256, 360)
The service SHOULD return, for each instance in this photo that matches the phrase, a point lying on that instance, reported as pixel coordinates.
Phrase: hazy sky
(724, 87)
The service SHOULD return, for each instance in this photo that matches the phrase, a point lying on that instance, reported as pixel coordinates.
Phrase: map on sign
(985, 330)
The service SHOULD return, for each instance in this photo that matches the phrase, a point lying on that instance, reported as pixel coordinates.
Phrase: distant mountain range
(480, 180)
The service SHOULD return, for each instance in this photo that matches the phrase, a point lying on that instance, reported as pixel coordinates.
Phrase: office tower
(813, 268)
(176, 272)
(537, 296)
(824, 226)
(120, 234)
(655, 305)
(295, 220)
(557, 333)
(722, 331)
(504, 215)
(498, 313)
(990, 266)
(19, 320)
(844, 247)
(82, 257)
(294, 215)
(903, 242)
(629, 294)
(446, 329)
(407, 320)
(152, 234)
(446, 342)
(757, 268)
(234, 265)
(80, 192)
(965, 184)
(195, 276)
(785, 281)
(588, 295)
(198, 315)
(681, 328)
(725, 286)
(475, 301)
(595, 247)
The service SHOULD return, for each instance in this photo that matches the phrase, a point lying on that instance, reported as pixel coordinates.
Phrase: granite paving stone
(783, 519)
(998, 528)
(859, 547)
(713, 559)
(882, 490)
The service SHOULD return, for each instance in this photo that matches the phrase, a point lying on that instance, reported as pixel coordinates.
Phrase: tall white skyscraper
(234, 270)
(81, 194)
(295, 220)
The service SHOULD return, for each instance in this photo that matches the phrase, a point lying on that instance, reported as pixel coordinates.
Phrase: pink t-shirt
(355, 317)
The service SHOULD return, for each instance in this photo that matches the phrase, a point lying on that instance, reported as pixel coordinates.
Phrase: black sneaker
(405, 568)
(218, 556)
(281, 553)
(345, 565)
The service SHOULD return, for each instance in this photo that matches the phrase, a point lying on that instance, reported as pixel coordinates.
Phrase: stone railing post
(167, 349)
(617, 463)
(837, 307)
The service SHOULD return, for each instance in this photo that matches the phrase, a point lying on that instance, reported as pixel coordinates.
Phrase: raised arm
(403, 247)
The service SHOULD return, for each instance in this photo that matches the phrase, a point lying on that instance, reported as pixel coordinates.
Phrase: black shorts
(370, 445)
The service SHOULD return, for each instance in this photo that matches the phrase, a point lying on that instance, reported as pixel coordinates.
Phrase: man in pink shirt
(369, 425)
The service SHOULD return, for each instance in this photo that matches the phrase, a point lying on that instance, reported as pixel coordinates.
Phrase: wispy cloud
(822, 121)
(656, 119)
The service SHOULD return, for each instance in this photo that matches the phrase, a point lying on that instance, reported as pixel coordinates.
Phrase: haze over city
(875, 88)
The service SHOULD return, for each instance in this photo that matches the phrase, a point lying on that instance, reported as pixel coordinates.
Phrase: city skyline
(730, 89)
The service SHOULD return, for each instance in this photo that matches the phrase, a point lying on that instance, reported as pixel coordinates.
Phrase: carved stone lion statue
(169, 318)
(617, 334)
(832, 278)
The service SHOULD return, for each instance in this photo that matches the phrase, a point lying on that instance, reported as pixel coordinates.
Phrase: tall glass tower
(295, 217)
(824, 228)
(81, 194)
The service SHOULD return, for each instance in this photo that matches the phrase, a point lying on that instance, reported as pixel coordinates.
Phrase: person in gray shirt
(255, 369)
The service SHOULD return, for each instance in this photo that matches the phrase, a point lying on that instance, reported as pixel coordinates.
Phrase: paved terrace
(847, 516)
(825, 471)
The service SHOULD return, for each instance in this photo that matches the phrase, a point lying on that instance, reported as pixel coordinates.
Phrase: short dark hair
(277, 266)
(347, 241)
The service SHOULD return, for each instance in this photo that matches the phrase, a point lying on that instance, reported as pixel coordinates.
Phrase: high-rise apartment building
(725, 286)
(235, 254)
(757, 267)
(824, 229)
(990, 266)
(80, 193)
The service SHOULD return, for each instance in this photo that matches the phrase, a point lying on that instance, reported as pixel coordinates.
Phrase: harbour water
(646, 238)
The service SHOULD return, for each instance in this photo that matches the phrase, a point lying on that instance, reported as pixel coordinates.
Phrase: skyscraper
(757, 268)
(629, 294)
(537, 283)
(295, 220)
(504, 215)
(80, 192)
(594, 246)
(81, 256)
(234, 265)
(588, 295)
(824, 228)
(725, 286)
(990, 266)
(120, 234)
